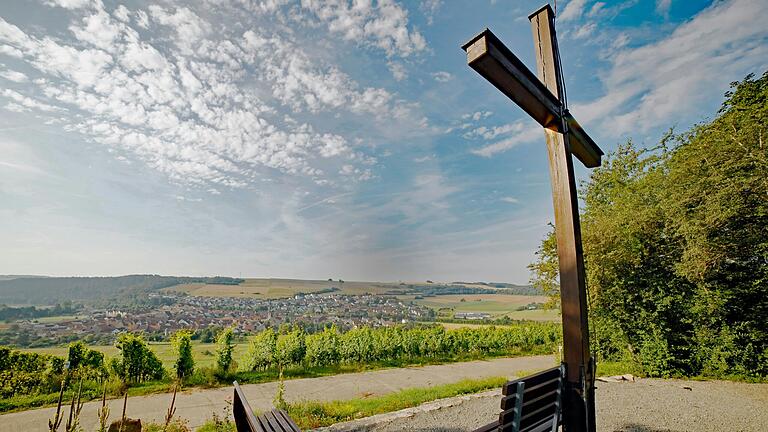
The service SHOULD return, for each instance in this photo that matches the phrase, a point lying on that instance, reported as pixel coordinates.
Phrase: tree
(676, 246)
(182, 345)
(290, 348)
(136, 363)
(224, 350)
(261, 351)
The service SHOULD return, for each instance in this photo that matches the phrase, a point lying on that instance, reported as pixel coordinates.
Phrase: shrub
(224, 350)
(182, 345)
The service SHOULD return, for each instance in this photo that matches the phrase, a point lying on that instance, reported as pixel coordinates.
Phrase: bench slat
(544, 425)
(291, 425)
(532, 403)
(533, 380)
(490, 427)
(274, 425)
(548, 388)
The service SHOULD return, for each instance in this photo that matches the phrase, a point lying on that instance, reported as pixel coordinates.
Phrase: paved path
(648, 405)
(197, 405)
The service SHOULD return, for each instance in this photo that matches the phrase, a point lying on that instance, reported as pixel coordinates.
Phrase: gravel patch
(646, 405)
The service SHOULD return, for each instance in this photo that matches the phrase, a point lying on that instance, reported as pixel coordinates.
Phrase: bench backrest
(533, 403)
(271, 421)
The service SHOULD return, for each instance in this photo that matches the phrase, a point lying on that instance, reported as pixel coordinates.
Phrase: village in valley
(246, 315)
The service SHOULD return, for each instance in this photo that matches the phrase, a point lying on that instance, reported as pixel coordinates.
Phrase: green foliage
(45, 290)
(367, 345)
(323, 347)
(136, 363)
(224, 350)
(175, 425)
(218, 424)
(676, 247)
(23, 373)
(261, 352)
(311, 415)
(181, 341)
(279, 399)
(87, 363)
(290, 348)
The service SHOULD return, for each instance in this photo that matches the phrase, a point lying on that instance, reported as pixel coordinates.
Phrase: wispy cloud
(653, 84)
(662, 7)
(193, 110)
(572, 10)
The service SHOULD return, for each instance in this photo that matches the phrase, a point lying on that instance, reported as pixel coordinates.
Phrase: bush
(224, 350)
(136, 363)
(182, 345)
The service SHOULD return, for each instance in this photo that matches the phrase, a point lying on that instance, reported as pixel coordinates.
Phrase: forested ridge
(676, 246)
(51, 290)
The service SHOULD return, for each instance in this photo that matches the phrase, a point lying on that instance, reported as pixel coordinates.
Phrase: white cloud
(69, 4)
(511, 200)
(489, 133)
(662, 7)
(654, 84)
(477, 115)
(572, 11)
(19, 100)
(429, 8)
(528, 134)
(399, 72)
(142, 19)
(189, 28)
(383, 25)
(584, 31)
(596, 9)
(201, 110)
(122, 13)
(12, 75)
(442, 76)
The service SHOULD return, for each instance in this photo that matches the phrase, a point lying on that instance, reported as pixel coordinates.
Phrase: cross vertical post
(543, 98)
(579, 399)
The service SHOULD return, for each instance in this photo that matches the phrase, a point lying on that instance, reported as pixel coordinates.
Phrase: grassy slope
(310, 415)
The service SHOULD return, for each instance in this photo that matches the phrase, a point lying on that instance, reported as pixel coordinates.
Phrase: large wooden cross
(543, 98)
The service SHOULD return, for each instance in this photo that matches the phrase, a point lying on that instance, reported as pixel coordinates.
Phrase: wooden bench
(531, 404)
(275, 420)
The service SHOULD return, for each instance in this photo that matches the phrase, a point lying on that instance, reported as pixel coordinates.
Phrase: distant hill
(53, 290)
(474, 288)
(10, 277)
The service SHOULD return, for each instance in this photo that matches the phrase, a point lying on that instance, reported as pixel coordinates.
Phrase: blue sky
(321, 139)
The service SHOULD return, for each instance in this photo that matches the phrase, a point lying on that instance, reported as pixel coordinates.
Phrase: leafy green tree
(676, 246)
(261, 351)
(323, 348)
(136, 363)
(225, 350)
(181, 341)
(290, 348)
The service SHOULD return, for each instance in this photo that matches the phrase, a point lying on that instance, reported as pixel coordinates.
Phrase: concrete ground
(198, 405)
(647, 405)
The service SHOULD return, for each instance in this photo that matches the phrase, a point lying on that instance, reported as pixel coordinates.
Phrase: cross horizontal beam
(487, 55)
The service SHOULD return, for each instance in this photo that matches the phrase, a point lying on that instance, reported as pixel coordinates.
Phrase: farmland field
(203, 353)
(281, 288)
(497, 305)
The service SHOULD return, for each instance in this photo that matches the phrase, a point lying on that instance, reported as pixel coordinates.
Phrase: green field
(282, 288)
(497, 305)
(204, 354)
